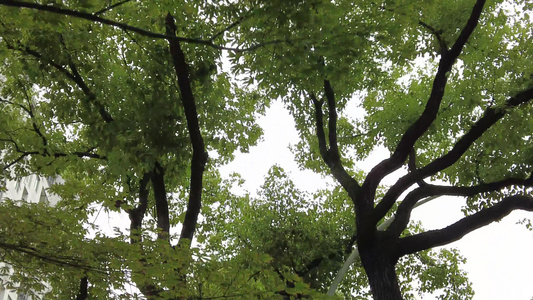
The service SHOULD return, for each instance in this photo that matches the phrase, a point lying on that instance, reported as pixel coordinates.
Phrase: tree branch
(83, 292)
(73, 75)
(331, 156)
(21, 157)
(29, 111)
(87, 91)
(489, 118)
(81, 154)
(137, 214)
(411, 165)
(64, 262)
(456, 231)
(404, 209)
(421, 125)
(199, 156)
(332, 121)
(443, 47)
(126, 27)
(319, 122)
(161, 202)
(232, 25)
(110, 7)
(15, 104)
(354, 255)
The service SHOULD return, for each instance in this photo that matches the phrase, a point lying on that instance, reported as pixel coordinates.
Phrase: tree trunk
(380, 269)
(384, 282)
(83, 293)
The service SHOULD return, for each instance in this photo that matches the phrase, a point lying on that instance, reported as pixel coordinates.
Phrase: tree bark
(384, 282)
(379, 266)
(83, 293)
(161, 202)
(199, 154)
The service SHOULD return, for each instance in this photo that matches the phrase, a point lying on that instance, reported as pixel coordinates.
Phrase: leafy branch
(489, 118)
(331, 155)
(136, 214)
(95, 18)
(421, 125)
(73, 262)
(26, 153)
(161, 201)
(73, 75)
(437, 33)
(31, 114)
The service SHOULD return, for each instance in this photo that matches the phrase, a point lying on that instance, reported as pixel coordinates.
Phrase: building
(33, 189)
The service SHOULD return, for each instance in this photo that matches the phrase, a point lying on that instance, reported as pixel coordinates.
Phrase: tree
(307, 237)
(444, 121)
(123, 125)
(125, 100)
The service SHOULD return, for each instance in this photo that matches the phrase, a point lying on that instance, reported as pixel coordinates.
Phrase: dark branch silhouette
(331, 156)
(126, 27)
(404, 209)
(421, 125)
(24, 154)
(489, 118)
(442, 43)
(83, 292)
(137, 214)
(110, 7)
(456, 231)
(199, 155)
(411, 165)
(161, 202)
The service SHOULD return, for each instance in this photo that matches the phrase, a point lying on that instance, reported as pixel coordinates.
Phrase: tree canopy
(136, 105)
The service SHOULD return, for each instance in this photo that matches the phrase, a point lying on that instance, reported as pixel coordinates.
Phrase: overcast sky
(499, 256)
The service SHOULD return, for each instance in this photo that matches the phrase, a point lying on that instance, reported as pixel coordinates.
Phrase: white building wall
(32, 188)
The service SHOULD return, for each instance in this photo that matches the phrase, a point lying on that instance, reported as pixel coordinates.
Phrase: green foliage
(48, 247)
(304, 239)
(101, 107)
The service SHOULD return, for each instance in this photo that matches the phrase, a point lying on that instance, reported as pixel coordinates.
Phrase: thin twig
(110, 7)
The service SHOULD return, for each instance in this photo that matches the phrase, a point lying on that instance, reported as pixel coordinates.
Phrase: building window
(37, 183)
(43, 198)
(22, 297)
(17, 185)
(25, 195)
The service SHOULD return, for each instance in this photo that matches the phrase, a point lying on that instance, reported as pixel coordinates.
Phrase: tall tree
(126, 116)
(125, 100)
(445, 87)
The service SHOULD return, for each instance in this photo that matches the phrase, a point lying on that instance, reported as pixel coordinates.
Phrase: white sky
(499, 256)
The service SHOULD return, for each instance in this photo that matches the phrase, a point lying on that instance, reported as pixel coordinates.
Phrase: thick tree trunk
(383, 282)
(379, 264)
